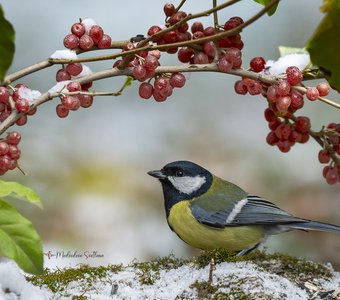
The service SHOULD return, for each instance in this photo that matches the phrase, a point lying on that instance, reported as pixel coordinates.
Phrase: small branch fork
(145, 45)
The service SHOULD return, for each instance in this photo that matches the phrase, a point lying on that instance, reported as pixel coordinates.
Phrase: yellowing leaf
(272, 10)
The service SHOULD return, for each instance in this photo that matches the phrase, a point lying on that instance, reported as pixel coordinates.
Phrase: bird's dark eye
(179, 173)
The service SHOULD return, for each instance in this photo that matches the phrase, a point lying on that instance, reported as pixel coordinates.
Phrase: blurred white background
(90, 168)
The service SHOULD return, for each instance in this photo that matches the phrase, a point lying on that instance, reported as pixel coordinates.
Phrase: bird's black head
(182, 180)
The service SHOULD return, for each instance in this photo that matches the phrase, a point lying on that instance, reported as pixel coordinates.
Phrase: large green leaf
(19, 240)
(324, 46)
(17, 190)
(7, 46)
(264, 3)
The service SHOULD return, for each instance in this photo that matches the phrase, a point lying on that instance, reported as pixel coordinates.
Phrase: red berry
(282, 88)
(4, 94)
(209, 48)
(295, 137)
(282, 104)
(153, 30)
(177, 80)
(240, 87)
(86, 42)
(22, 105)
(4, 147)
(255, 89)
(86, 86)
(294, 75)
(324, 156)
(85, 100)
(62, 111)
(71, 41)
(208, 31)
(332, 176)
(233, 55)
(169, 9)
(224, 65)
(13, 138)
(185, 54)
(171, 37)
(200, 58)
(74, 69)
(296, 100)
(176, 17)
(139, 73)
(183, 28)
(284, 145)
(104, 42)
(151, 62)
(21, 121)
(269, 115)
(70, 102)
(304, 138)
(62, 75)
(272, 95)
(325, 171)
(73, 86)
(302, 124)
(145, 90)
(78, 29)
(14, 152)
(257, 64)
(312, 93)
(323, 88)
(96, 33)
(197, 26)
(158, 97)
(271, 138)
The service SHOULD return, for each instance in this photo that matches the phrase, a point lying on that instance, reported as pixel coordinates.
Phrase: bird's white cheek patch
(187, 184)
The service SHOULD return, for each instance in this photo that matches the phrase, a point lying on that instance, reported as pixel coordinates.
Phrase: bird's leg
(211, 270)
(248, 250)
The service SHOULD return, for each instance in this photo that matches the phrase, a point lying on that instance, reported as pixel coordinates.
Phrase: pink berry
(272, 95)
(70, 102)
(71, 41)
(21, 121)
(151, 62)
(296, 100)
(283, 103)
(86, 42)
(139, 73)
(312, 93)
(209, 48)
(257, 64)
(78, 29)
(177, 80)
(4, 147)
(96, 33)
(62, 75)
(323, 88)
(294, 75)
(332, 176)
(104, 42)
(145, 90)
(74, 69)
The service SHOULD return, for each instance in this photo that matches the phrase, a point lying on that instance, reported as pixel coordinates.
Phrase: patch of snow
(59, 86)
(279, 67)
(85, 72)
(28, 94)
(13, 285)
(88, 23)
(64, 54)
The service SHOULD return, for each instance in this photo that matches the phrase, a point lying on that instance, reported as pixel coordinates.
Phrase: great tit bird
(208, 212)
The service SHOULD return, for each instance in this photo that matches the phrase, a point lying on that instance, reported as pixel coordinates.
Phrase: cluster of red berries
(331, 172)
(21, 104)
(9, 152)
(86, 39)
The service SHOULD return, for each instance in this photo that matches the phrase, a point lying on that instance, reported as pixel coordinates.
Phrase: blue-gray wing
(252, 210)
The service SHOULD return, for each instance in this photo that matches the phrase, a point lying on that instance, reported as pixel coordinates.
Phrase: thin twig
(215, 15)
(180, 5)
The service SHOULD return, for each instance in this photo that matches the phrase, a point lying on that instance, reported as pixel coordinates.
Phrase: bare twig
(215, 14)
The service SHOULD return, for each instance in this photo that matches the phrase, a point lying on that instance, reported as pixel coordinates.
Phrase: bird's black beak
(158, 174)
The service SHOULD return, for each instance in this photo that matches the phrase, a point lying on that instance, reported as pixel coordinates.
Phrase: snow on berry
(64, 54)
(28, 94)
(280, 66)
(88, 23)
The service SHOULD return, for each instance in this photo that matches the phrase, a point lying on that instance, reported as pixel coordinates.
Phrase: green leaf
(272, 10)
(324, 46)
(291, 50)
(19, 240)
(7, 46)
(17, 190)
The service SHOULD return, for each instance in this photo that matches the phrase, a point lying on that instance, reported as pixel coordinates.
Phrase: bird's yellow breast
(206, 237)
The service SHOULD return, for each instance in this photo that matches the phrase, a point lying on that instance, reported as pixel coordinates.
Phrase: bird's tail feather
(313, 225)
